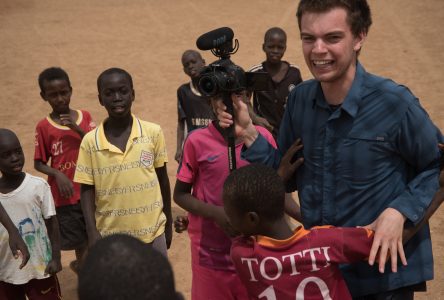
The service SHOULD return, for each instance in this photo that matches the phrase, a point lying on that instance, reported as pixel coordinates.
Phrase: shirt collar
(353, 99)
(103, 144)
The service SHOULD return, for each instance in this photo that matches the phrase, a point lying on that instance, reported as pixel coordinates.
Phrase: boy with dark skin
(194, 111)
(124, 144)
(270, 104)
(27, 200)
(254, 204)
(57, 141)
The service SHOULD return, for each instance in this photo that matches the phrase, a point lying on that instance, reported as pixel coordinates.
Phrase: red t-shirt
(303, 267)
(61, 145)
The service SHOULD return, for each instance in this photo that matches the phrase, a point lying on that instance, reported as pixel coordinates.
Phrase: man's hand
(181, 224)
(244, 127)
(441, 175)
(387, 242)
(54, 266)
(65, 186)
(19, 248)
(287, 167)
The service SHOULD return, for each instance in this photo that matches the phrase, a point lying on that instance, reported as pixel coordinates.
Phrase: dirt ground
(147, 38)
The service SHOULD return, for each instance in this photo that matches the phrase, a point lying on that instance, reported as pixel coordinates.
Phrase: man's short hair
(53, 73)
(113, 71)
(358, 12)
(256, 188)
(121, 267)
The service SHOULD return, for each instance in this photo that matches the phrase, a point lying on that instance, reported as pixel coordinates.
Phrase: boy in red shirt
(57, 139)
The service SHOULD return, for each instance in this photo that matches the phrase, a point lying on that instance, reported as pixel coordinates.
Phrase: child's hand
(178, 156)
(66, 120)
(287, 167)
(181, 224)
(19, 248)
(221, 220)
(54, 266)
(93, 237)
(65, 186)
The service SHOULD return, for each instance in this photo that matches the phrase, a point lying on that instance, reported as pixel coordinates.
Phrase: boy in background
(194, 111)
(122, 170)
(57, 140)
(28, 202)
(270, 104)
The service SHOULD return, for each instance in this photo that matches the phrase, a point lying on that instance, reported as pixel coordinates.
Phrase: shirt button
(415, 217)
(421, 209)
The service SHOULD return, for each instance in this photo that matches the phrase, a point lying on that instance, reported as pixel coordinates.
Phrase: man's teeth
(321, 62)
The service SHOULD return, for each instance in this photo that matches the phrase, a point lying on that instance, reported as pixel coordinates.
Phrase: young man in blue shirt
(367, 150)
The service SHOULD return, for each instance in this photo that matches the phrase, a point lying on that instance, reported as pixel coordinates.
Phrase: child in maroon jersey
(57, 139)
(275, 261)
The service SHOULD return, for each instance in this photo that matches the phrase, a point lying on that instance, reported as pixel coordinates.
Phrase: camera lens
(208, 86)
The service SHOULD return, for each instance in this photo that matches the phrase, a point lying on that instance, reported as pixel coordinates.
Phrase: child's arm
(64, 184)
(54, 265)
(180, 139)
(182, 196)
(438, 198)
(87, 201)
(292, 208)
(16, 243)
(289, 163)
(164, 182)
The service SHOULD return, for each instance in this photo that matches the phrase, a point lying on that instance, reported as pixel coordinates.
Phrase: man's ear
(100, 99)
(134, 95)
(263, 47)
(359, 41)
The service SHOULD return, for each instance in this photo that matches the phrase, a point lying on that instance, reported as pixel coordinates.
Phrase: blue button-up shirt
(378, 150)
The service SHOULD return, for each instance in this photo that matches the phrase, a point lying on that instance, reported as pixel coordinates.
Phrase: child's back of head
(122, 267)
(255, 188)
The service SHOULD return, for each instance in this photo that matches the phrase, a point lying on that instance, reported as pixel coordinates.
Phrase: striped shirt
(128, 198)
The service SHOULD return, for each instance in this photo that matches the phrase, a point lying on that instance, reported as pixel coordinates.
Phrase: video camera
(223, 77)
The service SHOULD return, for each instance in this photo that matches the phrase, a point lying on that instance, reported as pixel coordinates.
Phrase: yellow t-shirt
(128, 198)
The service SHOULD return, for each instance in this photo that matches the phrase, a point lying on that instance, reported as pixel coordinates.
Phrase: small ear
(253, 217)
(263, 47)
(100, 99)
(43, 96)
(134, 95)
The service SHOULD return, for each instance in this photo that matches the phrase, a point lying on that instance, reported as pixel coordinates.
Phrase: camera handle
(230, 134)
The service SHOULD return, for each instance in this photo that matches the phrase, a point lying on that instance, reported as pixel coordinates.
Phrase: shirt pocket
(364, 157)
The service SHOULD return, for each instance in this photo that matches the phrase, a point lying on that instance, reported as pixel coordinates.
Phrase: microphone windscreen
(214, 38)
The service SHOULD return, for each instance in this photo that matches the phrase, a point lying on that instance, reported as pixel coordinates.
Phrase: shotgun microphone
(215, 38)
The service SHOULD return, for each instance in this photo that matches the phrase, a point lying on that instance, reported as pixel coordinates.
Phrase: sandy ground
(147, 38)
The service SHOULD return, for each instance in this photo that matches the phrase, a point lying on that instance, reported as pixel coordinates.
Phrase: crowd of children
(108, 198)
